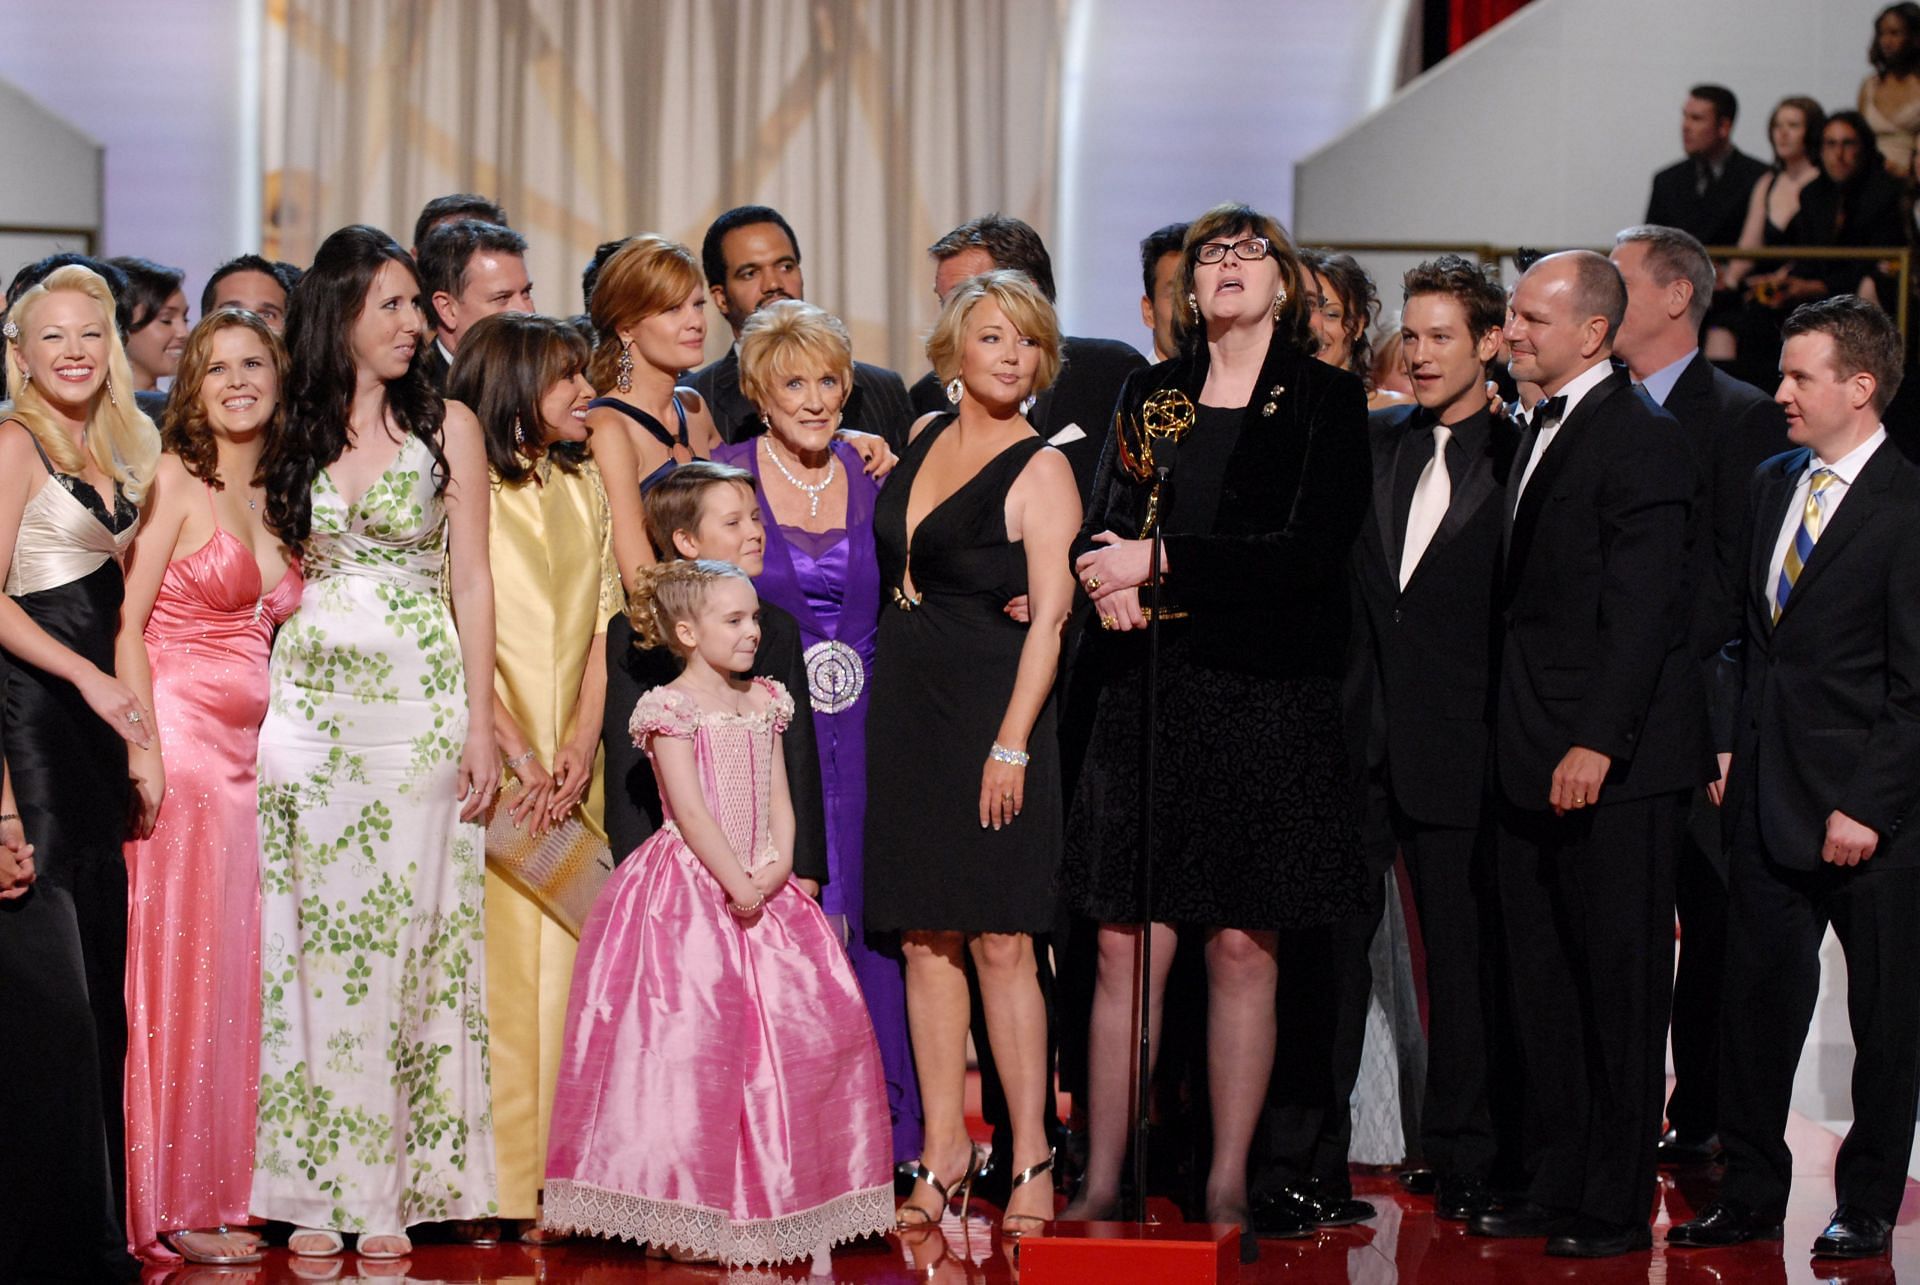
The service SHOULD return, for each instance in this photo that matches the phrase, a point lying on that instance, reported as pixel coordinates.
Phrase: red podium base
(1169, 1253)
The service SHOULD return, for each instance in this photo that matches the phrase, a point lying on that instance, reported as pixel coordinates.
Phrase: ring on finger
(1093, 582)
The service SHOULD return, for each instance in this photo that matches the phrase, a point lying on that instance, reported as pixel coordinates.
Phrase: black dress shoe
(1521, 1222)
(1418, 1182)
(1677, 1152)
(1591, 1238)
(1724, 1222)
(1460, 1197)
(1853, 1233)
(1280, 1216)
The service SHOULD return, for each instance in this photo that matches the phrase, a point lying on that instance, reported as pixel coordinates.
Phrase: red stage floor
(1405, 1243)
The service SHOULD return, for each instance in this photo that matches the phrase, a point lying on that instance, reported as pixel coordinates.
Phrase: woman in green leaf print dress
(376, 764)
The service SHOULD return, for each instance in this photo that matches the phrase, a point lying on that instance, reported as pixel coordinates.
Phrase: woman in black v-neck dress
(64, 725)
(963, 768)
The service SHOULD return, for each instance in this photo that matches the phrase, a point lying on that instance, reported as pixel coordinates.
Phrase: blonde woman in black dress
(963, 801)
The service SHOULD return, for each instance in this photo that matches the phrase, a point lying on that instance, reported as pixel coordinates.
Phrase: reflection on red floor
(1405, 1243)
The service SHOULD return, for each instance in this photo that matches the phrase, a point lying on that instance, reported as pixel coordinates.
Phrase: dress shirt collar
(1471, 433)
(444, 354)
(1848, 466)
(1659, 384)
(1582, 384)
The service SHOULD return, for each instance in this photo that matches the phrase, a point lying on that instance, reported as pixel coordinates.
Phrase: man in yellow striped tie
(1824, 782)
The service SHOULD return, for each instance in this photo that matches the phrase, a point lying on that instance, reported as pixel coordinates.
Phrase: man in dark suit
(469, 270)
(752, 258)
(1731, 427)
(1600, 736)
(1426, 570)
(1073, 413)
(1822, 780)
(1706, 193)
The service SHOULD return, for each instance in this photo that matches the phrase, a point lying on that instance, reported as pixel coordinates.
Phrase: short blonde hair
(647, 276)
(792, 337)
(1020, 299)
(121, 439)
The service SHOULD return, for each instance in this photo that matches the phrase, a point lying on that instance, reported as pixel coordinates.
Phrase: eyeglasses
(1253, 247)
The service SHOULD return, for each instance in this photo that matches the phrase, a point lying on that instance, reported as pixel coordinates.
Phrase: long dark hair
(505, 365)
(1909, 15)
(319, 396)
(1359, 302)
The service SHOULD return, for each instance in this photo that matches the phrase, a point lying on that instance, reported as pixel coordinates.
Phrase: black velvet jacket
(1267, 589)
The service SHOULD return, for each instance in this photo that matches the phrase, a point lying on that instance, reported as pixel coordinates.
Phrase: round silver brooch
(835, 676)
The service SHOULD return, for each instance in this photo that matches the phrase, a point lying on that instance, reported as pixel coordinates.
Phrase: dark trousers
(1776, 920)
(1586, 904)
(1306, 1129)
(64, 1224)
(1449, 891)
(1700, 897)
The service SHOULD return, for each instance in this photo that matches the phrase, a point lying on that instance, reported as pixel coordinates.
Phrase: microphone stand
(1143, 986)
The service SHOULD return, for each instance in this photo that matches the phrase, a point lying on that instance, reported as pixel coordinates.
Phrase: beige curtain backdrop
(873, 125)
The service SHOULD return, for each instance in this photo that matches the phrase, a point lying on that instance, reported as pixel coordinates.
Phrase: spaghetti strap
(653, 426)
(38, 449)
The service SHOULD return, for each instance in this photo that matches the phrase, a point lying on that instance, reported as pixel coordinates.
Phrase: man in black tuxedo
(1426, 571)
(752, 258)
(469, 270)
(1731, 427)
(1822, 780)
(1706, 193)
(1073, 412)
(1600, 737)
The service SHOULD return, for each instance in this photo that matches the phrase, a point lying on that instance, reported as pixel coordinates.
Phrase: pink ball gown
(193, 932)
(720, 1087)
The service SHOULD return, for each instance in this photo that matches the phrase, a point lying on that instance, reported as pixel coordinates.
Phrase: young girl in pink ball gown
(720, 1094)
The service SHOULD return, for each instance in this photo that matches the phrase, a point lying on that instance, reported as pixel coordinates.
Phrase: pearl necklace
(813, 489)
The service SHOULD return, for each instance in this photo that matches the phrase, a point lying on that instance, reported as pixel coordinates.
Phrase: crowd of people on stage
(476, 769)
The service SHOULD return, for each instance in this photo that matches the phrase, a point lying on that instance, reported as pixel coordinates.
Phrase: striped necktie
(1811, 520)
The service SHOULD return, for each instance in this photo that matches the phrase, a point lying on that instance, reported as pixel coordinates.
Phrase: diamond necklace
(813, 489)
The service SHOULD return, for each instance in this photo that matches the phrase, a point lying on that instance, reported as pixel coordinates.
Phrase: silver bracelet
(1001, 754)
(515, 765)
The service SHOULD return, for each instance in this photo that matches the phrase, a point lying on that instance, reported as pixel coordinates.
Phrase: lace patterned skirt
(720, 1088)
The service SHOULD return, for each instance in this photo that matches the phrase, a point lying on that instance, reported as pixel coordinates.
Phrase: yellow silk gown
(555, 586)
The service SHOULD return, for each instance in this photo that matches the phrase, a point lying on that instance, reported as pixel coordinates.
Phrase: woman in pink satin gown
(720, 1094)
(207, 584)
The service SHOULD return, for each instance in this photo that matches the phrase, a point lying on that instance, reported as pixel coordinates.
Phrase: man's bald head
(1566, 310)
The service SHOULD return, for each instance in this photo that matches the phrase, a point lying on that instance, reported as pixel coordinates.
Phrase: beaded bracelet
(515, 764)
(743, 911)
(1001, 754)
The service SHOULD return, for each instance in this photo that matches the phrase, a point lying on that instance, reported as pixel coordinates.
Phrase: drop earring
(110, 397)
(1026, 403)
(953, 390)
(623, 377)
(1193, 307)
(519, 435)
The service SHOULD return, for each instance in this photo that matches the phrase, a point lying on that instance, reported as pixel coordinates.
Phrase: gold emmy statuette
(1164, 417)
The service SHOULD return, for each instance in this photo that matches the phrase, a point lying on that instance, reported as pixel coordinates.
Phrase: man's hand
(1848, 842)
(1576, 782)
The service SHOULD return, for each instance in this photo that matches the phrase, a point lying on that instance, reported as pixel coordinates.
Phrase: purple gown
(830, 583)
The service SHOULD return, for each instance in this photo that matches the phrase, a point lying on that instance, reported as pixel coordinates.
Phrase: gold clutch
(562, 870)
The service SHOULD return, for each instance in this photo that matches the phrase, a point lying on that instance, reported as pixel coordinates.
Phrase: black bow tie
(1548, 410)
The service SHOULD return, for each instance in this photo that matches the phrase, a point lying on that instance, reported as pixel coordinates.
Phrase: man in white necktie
(1425, 569)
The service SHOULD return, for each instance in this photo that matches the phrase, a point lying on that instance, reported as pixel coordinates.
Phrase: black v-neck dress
(943, 674)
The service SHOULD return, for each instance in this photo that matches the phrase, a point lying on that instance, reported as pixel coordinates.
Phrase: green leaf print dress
(373, 1068)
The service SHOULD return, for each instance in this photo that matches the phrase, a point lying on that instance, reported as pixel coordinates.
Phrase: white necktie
(1431, 495)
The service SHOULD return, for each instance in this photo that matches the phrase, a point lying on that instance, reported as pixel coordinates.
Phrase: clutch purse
(562, 869)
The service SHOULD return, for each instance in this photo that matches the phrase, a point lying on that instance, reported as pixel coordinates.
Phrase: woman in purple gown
(796, 366)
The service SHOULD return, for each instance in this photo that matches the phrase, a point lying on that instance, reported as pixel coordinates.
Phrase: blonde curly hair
(668, 593)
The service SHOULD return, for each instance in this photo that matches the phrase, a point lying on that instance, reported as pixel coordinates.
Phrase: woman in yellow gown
(555, 587)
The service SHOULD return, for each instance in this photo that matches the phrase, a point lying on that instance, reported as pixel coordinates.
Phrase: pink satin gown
(193, 948)
(720, 1086)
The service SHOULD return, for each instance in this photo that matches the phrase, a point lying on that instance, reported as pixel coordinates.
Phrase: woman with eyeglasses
(1254, 817)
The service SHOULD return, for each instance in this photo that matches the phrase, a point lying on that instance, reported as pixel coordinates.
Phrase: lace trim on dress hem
(580, 1208)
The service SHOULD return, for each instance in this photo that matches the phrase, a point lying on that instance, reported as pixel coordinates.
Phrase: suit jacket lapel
(1386, 460)
(1863, 499)
(1566, 442)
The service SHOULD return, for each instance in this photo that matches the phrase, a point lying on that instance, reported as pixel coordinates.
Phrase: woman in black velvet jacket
(1254, 818)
